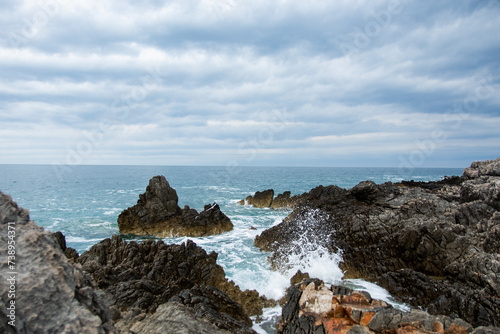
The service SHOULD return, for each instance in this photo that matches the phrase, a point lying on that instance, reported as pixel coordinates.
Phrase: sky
(344, 83)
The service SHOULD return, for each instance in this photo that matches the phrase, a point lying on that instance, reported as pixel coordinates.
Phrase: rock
(70, 253)
(157, 213)
(311, 307)
(147, 275)
(52, 295)
(299, 277)
(169, 318)
(261, 199)
(264, 199)
(434, 244)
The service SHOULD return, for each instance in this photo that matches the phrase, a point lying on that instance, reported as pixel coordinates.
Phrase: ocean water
(84, 202)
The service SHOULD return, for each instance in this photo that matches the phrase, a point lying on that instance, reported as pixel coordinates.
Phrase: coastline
(365, 191)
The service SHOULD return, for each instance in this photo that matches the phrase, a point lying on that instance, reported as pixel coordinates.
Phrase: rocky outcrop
(265, 199)
(158, 214)
(146, 275)
(433, 244)
(261, 199)
(46, 292)
(201, 309)
(311, 307)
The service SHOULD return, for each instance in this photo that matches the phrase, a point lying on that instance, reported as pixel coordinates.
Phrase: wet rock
(434, 244)
(311, 307)
(52, 295)
(169, 318)
(157, 213)
(264, 199)
(261, 199)
(147, 275)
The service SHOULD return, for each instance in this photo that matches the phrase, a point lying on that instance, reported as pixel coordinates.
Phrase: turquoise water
(84, 202)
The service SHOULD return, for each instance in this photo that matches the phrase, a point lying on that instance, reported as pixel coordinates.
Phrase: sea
(83, 202)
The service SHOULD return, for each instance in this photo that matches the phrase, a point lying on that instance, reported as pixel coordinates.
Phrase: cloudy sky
(239, 82)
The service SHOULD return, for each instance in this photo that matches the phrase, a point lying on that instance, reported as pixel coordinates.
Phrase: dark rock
(157, 213)
(261, 199)
(146, 275)
(298, 277)
(169, 318)
(215, 306)
(52, 295)
(434, 244)
(70, 253)
(285, 201)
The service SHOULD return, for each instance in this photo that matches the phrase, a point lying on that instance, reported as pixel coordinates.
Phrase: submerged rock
(50, 293)
(158, 214)
(434, 244)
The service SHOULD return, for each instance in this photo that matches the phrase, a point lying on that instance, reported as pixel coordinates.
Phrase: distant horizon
(221, 166)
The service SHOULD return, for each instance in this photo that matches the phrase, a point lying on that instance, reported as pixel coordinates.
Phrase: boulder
(261, 199)
(147, 275)
(312, 307)
(50, 293)
(432, 244)
(264, 199)
(158, 214)
(201, 309)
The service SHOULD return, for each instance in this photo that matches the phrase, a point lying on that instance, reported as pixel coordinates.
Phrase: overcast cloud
(239, 82)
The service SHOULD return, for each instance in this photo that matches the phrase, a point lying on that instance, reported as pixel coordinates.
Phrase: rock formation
(434, 244)
(265, 199)
(311, 307)
(157, 213)
(50, 294)
(146, 288)
(146, 275)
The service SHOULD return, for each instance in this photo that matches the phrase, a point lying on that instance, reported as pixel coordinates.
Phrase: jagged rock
(70, 253)
(433, 244)
(261, 199)
(157, 213)
(201, 309)
(169, 318)
(264, 199)
(146, 275)
(52, 295)
(311, 307)
(299, 277)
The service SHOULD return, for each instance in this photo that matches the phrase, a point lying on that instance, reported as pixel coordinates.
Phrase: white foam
(376, 292)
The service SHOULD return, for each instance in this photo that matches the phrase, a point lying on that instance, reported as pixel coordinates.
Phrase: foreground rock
(266, 199)
(143, 276)
(311, 307)
(52, 295)
(157, 213)
(434, 245)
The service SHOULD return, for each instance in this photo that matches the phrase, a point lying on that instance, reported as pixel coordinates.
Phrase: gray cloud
(290, 83)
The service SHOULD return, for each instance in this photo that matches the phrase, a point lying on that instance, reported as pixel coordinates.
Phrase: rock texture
(146, 275)
(157, 213)
(434, 244)
(311, 307)
(52, 295)
(265, 199)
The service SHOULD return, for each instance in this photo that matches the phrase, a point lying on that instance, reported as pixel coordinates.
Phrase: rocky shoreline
(433, 245)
